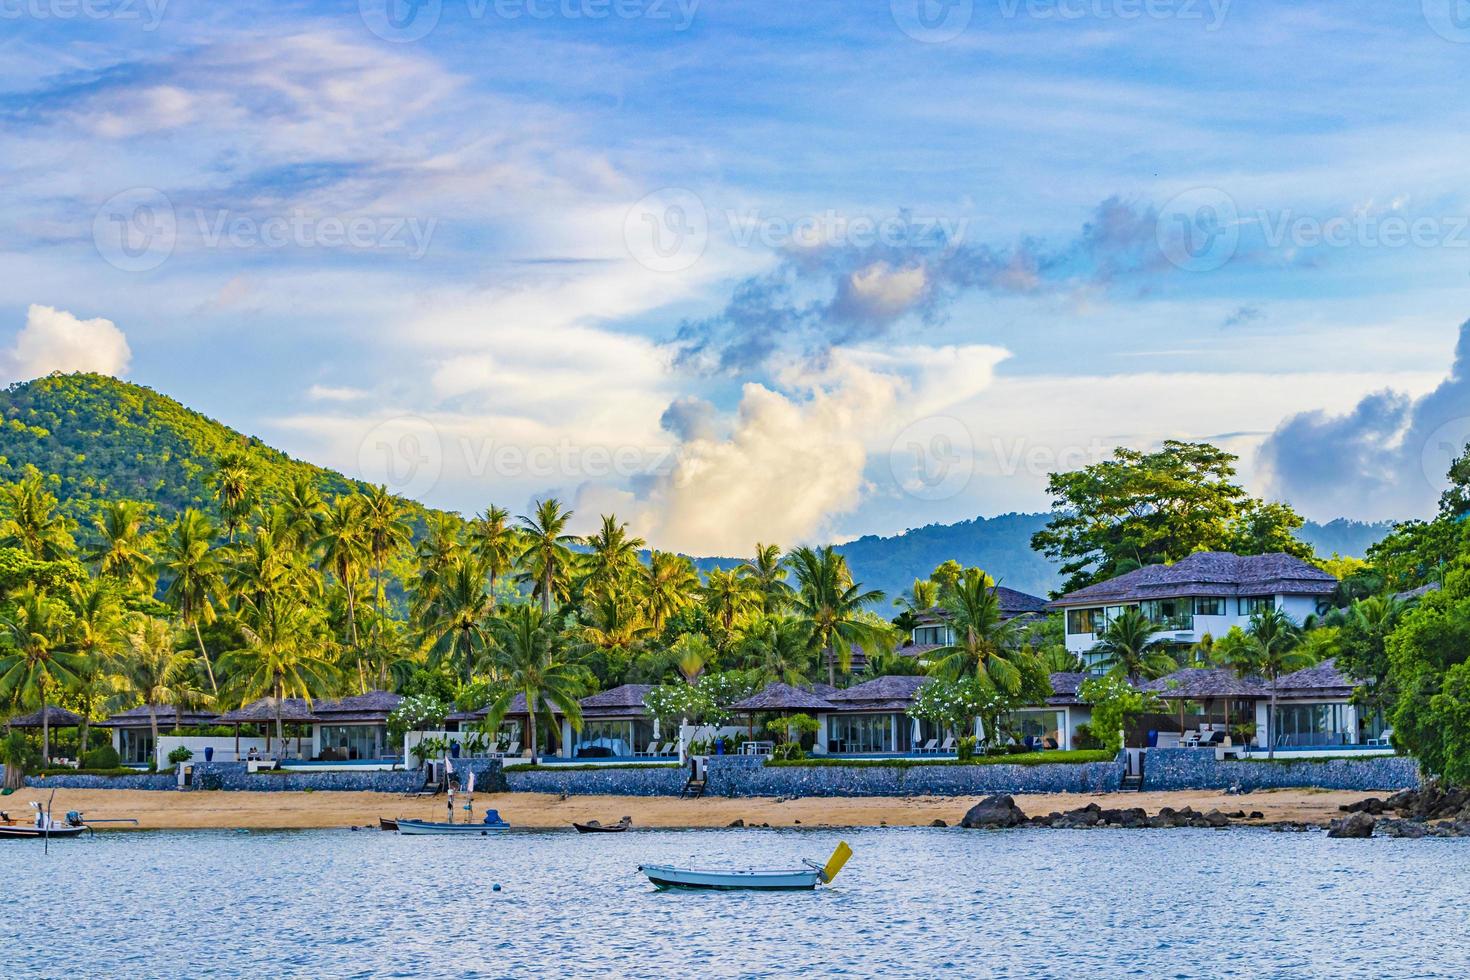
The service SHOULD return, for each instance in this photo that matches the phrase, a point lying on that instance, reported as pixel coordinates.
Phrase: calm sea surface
(1094, 904)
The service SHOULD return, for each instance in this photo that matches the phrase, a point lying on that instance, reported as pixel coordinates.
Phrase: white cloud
(330, 393)
(55, 340)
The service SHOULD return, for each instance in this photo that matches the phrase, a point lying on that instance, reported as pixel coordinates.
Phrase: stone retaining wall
(234, 777)
(609, 781)
(142, 780)
(1166, 769)
(737, 776)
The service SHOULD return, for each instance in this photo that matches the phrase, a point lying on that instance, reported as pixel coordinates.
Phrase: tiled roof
(1209, 573)
(880, 692)
(292, 710)
(369, 708)
(517, 707)
(1324, 678)
(1204, 683)
(138, 717)
(1064, 687)
(782, 697)
(619, 702)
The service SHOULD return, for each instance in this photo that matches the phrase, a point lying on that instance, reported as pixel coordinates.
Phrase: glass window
(1249, 605)
(860, 733)
(1171, 614)
(135, 746)
(1312, 725)
(1038, 725)
(1084, 621)
(935, 635)
(606, 738)
(342, 743)
(1209, 607)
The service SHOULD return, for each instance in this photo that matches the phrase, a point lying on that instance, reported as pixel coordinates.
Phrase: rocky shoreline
(1429, 812)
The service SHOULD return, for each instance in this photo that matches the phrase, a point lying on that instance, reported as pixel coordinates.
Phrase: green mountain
(96, 438)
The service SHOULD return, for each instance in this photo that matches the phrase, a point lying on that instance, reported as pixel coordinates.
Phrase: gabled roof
(517, 707)
(1209, 573)
(782, 697)
(374, 706)
(138, 717)
(1323, 679)
(1064, 686)
(292, 710)
(619, 702)
(888, 693)
(1205, 683)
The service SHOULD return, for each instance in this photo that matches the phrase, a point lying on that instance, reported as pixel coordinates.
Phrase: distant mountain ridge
(97, 438)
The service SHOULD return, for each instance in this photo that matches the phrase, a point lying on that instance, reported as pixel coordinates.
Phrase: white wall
(224, 747)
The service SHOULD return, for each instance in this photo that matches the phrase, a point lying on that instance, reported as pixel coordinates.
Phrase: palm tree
(533, 661)
(343, 546)
(31, 522)
(691, 653)
(456, 622)
(667, 584)
(767, 572)
(614, 556)
(779, 650)
(388, 531)
(438, 552)
(615, 626)
(1128, 647)
(37, 661)
(151, 666)
(728, 597)
(94, 634)
(234, 488)
(122, 554)
(495, 543)
(267, 564)
(547, 556)
(195, 582)
(829, 605)
(986, 644)
(282, 657)
(305, 510)
(1274, 651)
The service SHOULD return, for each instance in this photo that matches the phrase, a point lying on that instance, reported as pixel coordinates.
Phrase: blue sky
(797, 271)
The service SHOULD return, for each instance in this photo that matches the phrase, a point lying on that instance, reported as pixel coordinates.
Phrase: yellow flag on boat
(836, 861)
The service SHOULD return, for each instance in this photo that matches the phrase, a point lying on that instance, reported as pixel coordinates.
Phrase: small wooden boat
(43, 828)
(593, 827)
(797, 879)
(492, 824)
(385, 824)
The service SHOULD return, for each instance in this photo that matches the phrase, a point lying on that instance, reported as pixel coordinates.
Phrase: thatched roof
(55, 718)
(167, 715)
(1207, 683)
(619, 702)
(888, 693)
(294, 710)
(1323, 680)
(782, 697)
(1209, 573)
(369, 708)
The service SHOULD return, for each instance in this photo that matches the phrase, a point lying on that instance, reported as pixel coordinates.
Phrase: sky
(757, 270)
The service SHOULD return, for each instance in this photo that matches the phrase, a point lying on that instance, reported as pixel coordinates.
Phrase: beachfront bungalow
(615, 725)
(1315, 709)
(353, 729)
(1206, 593)
(132, 730)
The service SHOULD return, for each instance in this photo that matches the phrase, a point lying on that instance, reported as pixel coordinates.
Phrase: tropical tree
(691, 653)
(495, 543)
(456, 621)
(728, 597)
(283, 656)
(767, 572)
(234, 488)
(438, 552)
(829, 606)
(30, 521)
(94, 633)
(121, 553)
(921, 597)
(532, 660)
(36, 663)
(986, 645)
(613, 558)
(1274, 651)
(388, 532)
(305, 510)
(1128, 647)
(152, 666)
(343, 548)
(194, 575)
(547, 557)
(779, 650)
(667, 585)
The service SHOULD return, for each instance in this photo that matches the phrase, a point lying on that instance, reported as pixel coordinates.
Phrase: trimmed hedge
(1021, 759)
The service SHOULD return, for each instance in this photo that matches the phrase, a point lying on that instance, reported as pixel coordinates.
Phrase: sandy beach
(169, 810)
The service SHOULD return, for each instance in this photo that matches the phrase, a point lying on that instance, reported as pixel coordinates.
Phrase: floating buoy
(495, 887)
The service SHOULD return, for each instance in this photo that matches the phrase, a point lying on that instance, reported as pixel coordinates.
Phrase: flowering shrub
(416, 713)
(1114, 701)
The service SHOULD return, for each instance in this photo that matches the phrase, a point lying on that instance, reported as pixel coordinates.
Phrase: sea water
(911, 903)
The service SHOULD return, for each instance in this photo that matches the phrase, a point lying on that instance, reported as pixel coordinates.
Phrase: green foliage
(1114, 701)
(181, 753)
(102, 757)
(788, 752)
(1073, 757)
(965, 748)
(416, 713)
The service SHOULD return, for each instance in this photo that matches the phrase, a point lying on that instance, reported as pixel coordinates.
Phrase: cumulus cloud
(1385, 458)
(55, 340)
(830, 294)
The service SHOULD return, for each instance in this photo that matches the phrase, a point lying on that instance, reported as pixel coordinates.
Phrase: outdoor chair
(1189, 740)
(651, 750)
(667, 748)
(930, 746)
(948, 745)
(1386, 738)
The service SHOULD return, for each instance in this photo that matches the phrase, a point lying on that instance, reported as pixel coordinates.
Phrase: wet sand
(174, 810)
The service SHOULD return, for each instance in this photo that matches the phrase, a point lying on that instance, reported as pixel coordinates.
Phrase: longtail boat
(593, 827)
(664, 876)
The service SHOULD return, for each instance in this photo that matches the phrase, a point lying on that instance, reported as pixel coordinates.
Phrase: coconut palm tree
(95, 633)
(187, 558)
(613, 558)
(438, 552)
(121, 553)
(1128, 647)
(456, 623)
(234, 488)
(30, 521)
(283, 656)
(616, 626)
(305, 510)
(727, 598)
(495, 543)
(986, 644)
(666, 585)
(829, 605)
(768, 573)
(547, 556)
(1274, 650)
(779, 650)
(35, 662)
(388, 532)
(343, 548)
(151, 665)
(534, 661)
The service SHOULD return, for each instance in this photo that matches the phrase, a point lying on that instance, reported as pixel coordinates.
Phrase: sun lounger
(651, 750)
(948, 745)
(668, 748)
(930, 746)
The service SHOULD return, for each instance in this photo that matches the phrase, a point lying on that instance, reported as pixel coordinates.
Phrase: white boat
(492, 824)
(794, 879)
